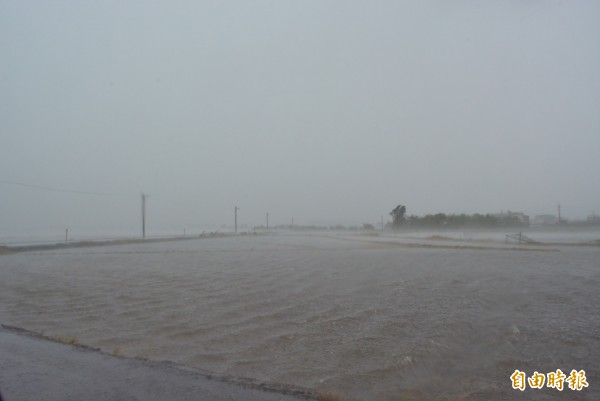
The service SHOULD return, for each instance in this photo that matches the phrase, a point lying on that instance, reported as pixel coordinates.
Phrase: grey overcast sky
(327, 111)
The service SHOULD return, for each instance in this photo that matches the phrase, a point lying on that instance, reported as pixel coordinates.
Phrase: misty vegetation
(463, 220)
(398, 216)
(442, 220)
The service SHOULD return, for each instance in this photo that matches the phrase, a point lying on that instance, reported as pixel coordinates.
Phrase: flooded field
(369, 318)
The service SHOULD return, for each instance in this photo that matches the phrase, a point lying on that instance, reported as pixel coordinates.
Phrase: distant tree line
(462, 220)
(399, 220)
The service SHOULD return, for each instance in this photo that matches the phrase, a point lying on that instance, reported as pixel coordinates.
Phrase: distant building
(593, 218)
(545, 220)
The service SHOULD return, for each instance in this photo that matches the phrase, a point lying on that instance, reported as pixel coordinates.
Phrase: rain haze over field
(320, 113)
(329, 112)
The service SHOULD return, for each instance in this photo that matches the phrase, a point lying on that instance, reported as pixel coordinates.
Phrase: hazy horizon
(327, 112)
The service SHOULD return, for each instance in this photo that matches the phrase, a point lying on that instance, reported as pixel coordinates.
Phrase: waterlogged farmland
(370, 318)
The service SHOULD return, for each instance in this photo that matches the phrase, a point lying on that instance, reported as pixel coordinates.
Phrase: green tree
(398, 216)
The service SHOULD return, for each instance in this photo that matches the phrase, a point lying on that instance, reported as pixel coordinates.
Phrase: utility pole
(144, 197)
(559, 213)
(236, 209)
(267, 220)
(66, 235)
(292, 223)
(381, 223)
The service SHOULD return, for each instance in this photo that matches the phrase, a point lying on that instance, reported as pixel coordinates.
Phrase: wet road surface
(34, 368)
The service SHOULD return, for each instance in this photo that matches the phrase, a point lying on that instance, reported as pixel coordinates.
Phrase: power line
(60, 189)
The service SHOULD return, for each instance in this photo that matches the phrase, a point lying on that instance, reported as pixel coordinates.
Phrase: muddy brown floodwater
(364, 317)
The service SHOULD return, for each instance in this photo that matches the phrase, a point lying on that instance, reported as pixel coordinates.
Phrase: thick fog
(325, 112)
